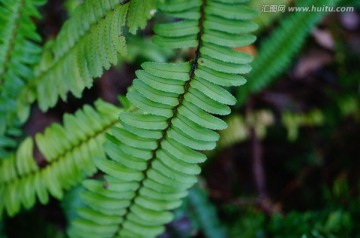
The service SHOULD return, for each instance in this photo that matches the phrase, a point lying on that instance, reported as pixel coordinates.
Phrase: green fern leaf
(68, 151)
(157, 149)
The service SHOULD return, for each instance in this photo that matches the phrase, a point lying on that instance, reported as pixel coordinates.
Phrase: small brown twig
(263, 200)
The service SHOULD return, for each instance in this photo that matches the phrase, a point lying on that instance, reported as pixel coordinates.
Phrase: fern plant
(173, 113)
(154, 157)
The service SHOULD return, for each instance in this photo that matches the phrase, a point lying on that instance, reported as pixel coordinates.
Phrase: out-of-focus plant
(276, 51)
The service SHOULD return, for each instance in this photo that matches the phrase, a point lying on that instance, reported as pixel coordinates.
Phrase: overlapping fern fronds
(154, 157)
(19, 52)
(277, 51)
(68, 152)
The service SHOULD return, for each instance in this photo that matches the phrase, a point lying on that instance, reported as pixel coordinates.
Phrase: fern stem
(193, 66)
(11, 40)
(175, 111)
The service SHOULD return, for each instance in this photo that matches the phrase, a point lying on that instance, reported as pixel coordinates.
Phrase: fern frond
(68, 151)
(88, 43)
(19, 52)
(154, 157)
(277, 51)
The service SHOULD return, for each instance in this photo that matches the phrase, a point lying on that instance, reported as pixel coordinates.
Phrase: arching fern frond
(68, 151)
(19, 52)
(277, 51)
(88, 43)
(154, 157)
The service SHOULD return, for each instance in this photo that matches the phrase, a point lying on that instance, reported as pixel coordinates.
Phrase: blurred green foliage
(338, 217)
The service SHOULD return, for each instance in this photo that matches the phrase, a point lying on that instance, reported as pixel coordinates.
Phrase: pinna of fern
(68, 152)
(154, 158)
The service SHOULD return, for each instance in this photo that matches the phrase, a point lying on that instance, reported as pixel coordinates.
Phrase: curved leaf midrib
(175, 111)
(12, 40)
